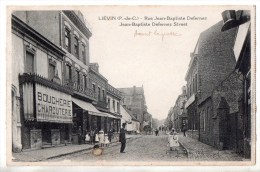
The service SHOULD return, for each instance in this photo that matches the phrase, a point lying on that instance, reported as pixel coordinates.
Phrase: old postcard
(134, 85)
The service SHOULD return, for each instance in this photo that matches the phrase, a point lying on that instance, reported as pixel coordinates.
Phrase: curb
(57, 156)
(187, 150)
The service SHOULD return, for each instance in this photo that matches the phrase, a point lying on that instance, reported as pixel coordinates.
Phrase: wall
(216, 57)
(208, 126)
(17, 59)
(42, 21)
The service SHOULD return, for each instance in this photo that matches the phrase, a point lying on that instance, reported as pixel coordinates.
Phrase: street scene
(150, 85)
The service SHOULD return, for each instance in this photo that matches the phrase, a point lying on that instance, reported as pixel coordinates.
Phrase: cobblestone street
(145, 148)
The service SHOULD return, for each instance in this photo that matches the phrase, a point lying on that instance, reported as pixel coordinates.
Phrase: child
(87, 139)
(106, 142)
(101, 138)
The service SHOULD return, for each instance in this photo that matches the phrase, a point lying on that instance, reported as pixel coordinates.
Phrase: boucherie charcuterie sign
(52, 105)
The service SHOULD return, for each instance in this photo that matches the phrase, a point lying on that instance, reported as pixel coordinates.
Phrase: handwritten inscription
(162, 35)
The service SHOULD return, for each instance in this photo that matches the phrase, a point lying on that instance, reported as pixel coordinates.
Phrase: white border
(4, 4)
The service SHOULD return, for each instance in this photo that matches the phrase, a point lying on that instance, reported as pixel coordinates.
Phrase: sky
(127, 56)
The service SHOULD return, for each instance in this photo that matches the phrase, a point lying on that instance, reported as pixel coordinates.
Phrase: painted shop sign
(52, 105)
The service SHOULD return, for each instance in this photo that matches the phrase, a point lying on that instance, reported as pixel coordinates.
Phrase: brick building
(211, 61)
(242, 52)
(134, 99)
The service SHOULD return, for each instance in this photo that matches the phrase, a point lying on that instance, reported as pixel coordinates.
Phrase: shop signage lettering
(52, 105)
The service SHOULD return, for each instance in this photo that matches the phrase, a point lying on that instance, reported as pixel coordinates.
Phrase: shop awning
(88, 107)
(112, 116)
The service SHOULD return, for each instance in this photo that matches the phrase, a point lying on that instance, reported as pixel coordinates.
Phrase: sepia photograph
(131, 85)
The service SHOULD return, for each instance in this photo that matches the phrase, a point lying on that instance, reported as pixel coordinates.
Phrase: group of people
(95, 136)
(173, 140)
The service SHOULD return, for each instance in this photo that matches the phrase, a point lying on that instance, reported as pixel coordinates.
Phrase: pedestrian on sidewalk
(110, 135)
(87, 138)
(96, 136)
(92, 136)
(106, 141)
(101, 138)
(122, 138)
(184, 130)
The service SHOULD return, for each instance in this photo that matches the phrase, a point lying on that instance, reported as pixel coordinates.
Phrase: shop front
(86, 118)
(47, 113)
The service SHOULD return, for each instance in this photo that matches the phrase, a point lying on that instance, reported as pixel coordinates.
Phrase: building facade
(180, 119)
(134, 99)
(211, 61)
(42, 105)
(113, 103)
(53, 98)
(242, 52)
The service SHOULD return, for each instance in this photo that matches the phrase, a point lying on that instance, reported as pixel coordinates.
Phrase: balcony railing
(102, 104)
(35, 78)
(77, 88)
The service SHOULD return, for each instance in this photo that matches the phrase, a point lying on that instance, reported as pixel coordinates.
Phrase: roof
(130, 113)
(131, 90)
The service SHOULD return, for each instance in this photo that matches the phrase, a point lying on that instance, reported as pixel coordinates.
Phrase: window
(208, 118)
(76, 46)
(68, 73)
(99, 92)
(108, 103)
(114, 108)
(204, 120)
(29, 62)
(78, 77)
(103, 94)
(67, 39)
(83, 53)
(94, 88)
(51, 71)
(193, 85)
(118, 107)
(85, 82)
(196, 83)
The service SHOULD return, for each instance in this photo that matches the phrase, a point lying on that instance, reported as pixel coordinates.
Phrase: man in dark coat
(122, 138)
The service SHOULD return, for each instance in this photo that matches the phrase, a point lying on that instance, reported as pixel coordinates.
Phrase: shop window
(76, 46)
(68, 73)
(67, 39)
(29, 62)
(83, 52)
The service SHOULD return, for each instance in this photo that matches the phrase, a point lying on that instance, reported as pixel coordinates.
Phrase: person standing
(122, 138)
(92, 136)
(110, 135)
(184, 130)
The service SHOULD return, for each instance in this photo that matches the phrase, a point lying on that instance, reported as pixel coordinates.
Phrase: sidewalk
(198, 151)
(48, 153)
